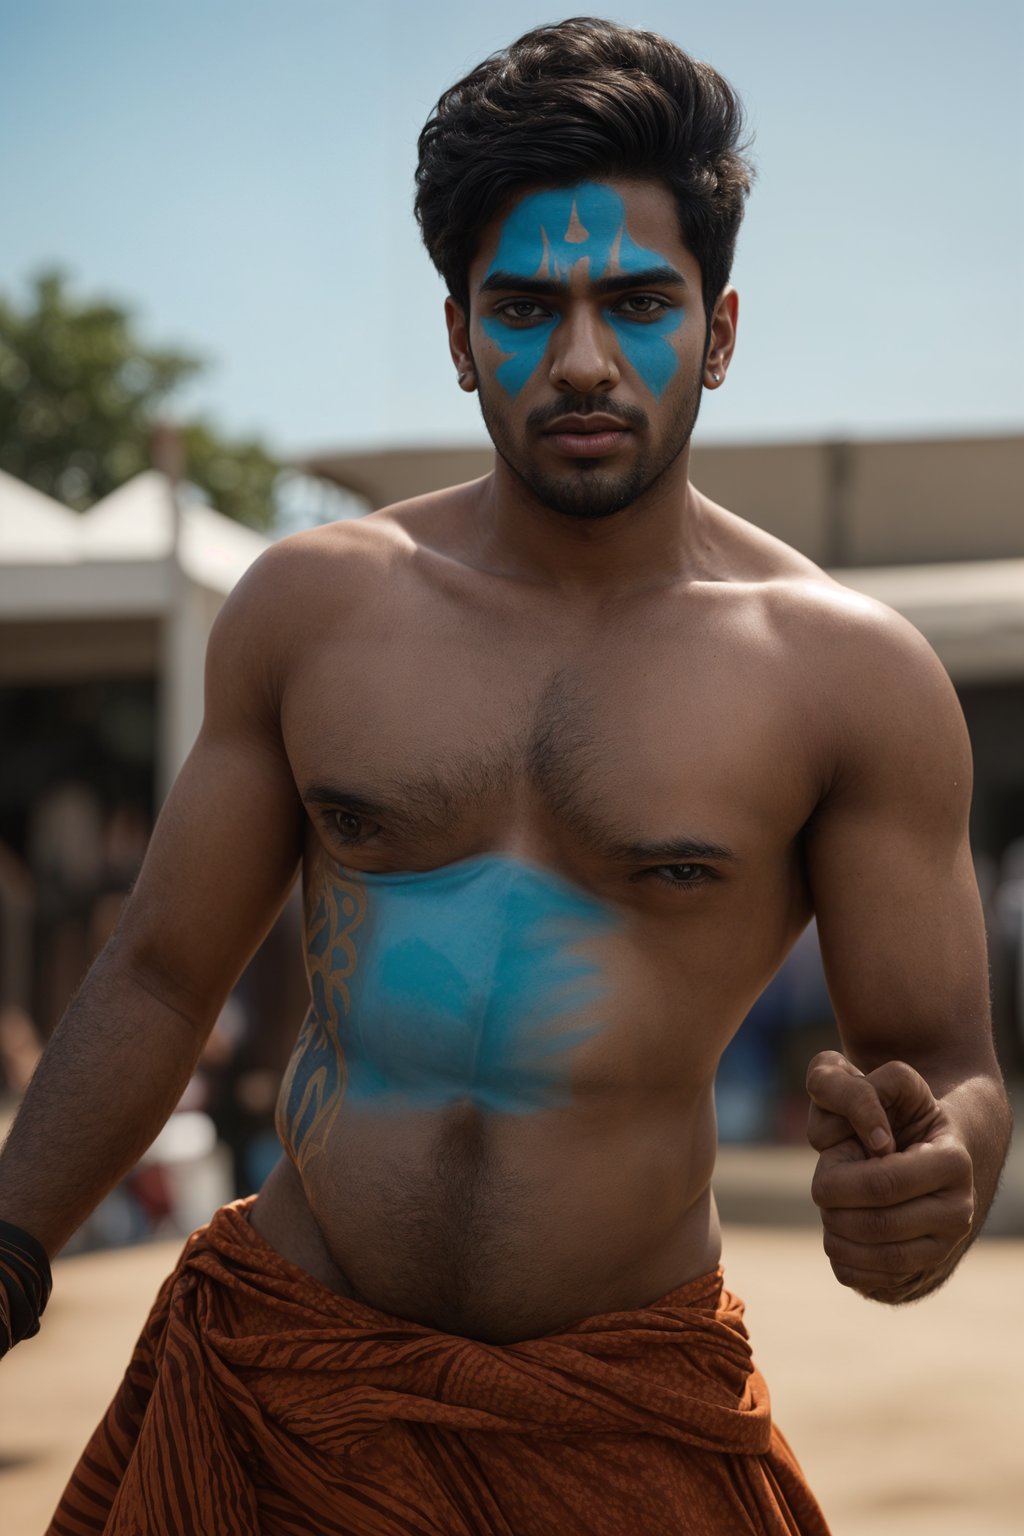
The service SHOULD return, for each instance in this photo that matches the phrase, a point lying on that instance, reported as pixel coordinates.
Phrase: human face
(587, 341)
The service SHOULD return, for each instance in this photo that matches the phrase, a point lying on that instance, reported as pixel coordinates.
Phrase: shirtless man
(569, 756)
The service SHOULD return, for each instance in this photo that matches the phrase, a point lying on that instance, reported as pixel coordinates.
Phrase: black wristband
(26, 1280)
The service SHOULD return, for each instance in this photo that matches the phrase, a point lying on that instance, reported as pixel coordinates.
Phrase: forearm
(108, 1080)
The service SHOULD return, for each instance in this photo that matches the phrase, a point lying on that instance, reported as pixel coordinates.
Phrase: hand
(894, 1181)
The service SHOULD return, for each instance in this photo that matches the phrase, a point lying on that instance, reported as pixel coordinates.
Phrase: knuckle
(956, 1169)
(828, 1067)
(816, 1073)
(882, 1185)
(961, 1215)
(820, 1187)
(894, 1259)
(847, 1275)
(878, 1224)
(898, 1083)
(824, 1059)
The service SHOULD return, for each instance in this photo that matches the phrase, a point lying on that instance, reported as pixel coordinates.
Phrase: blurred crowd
(60, 898)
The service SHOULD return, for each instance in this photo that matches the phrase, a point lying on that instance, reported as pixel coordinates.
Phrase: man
(569, 755)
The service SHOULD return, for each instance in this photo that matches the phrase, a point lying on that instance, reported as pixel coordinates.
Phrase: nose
(584, 357)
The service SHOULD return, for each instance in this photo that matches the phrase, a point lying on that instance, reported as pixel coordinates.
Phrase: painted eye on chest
(682, 876)
(350, 828)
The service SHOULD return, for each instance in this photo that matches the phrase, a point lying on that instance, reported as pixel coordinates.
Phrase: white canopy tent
(33, 527)
(130, 587)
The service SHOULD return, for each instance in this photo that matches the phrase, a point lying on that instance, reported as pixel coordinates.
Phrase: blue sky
(240, 172)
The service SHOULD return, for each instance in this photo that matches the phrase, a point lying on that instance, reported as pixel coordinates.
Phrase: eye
(522, 311)
(682, 875)
(349, 827)
(643, 306)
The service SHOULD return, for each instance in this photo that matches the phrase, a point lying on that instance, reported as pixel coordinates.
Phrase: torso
(501, 1163)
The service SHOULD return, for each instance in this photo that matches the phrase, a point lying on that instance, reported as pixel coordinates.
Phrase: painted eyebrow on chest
(674, 850)
(352, 800)
(412, 812)
(619, 282)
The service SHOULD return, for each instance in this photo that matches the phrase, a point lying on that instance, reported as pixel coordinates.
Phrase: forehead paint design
(474, 981)
(545, 236)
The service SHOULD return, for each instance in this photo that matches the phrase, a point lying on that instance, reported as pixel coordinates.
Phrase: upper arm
(889, 861)
(226, 846)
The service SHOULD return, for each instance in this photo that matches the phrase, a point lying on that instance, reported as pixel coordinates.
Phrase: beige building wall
(958, 500)
(784, 488)
(911, 502)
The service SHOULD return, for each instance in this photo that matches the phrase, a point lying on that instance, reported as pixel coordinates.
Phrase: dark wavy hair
(583, 98)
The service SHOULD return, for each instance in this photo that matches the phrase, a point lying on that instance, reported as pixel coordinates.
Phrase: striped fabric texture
(25, 1282)
(259, 1403)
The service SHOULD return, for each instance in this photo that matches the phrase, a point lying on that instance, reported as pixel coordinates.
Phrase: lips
(586, 437)
(593, 421)
(586, 445)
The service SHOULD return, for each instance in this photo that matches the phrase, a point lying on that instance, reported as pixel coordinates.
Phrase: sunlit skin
(568, 756)
(566, 759)
(578, 680)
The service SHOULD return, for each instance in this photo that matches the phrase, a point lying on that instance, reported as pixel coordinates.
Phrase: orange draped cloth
(259, 1403)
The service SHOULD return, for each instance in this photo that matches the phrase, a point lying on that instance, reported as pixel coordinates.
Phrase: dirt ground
(907, 1422)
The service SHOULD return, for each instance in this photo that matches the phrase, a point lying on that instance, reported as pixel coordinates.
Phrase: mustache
(586, 405)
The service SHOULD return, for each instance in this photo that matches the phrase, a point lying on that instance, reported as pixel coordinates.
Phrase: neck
(652, 542)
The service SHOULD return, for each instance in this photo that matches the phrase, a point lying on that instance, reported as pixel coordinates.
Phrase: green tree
(80, 394)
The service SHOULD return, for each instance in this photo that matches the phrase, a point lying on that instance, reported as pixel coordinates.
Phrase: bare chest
(569, 741)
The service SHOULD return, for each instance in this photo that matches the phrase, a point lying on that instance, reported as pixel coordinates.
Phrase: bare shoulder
(287, 587)
(843, 633)
(346, 559)
(877, 690)
(866, 654)
(298, 566)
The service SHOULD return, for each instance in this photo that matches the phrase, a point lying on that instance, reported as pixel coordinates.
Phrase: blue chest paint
(474, 981)
(546, 235)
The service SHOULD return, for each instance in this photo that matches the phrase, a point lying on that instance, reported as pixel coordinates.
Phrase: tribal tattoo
(315, 1081)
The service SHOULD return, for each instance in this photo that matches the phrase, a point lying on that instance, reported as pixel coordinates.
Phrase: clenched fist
(894, 1181)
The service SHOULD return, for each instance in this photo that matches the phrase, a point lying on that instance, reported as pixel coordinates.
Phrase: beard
(586, 489)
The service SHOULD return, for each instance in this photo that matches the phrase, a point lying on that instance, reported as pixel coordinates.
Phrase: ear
(458, 344)
(724, 319)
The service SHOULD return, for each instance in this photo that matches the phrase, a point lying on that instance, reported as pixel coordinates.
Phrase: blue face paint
(546, 235)
(476, 981)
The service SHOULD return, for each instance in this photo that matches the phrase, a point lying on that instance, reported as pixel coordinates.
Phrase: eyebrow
(676, 850)
(619, 282)
(333, 794)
